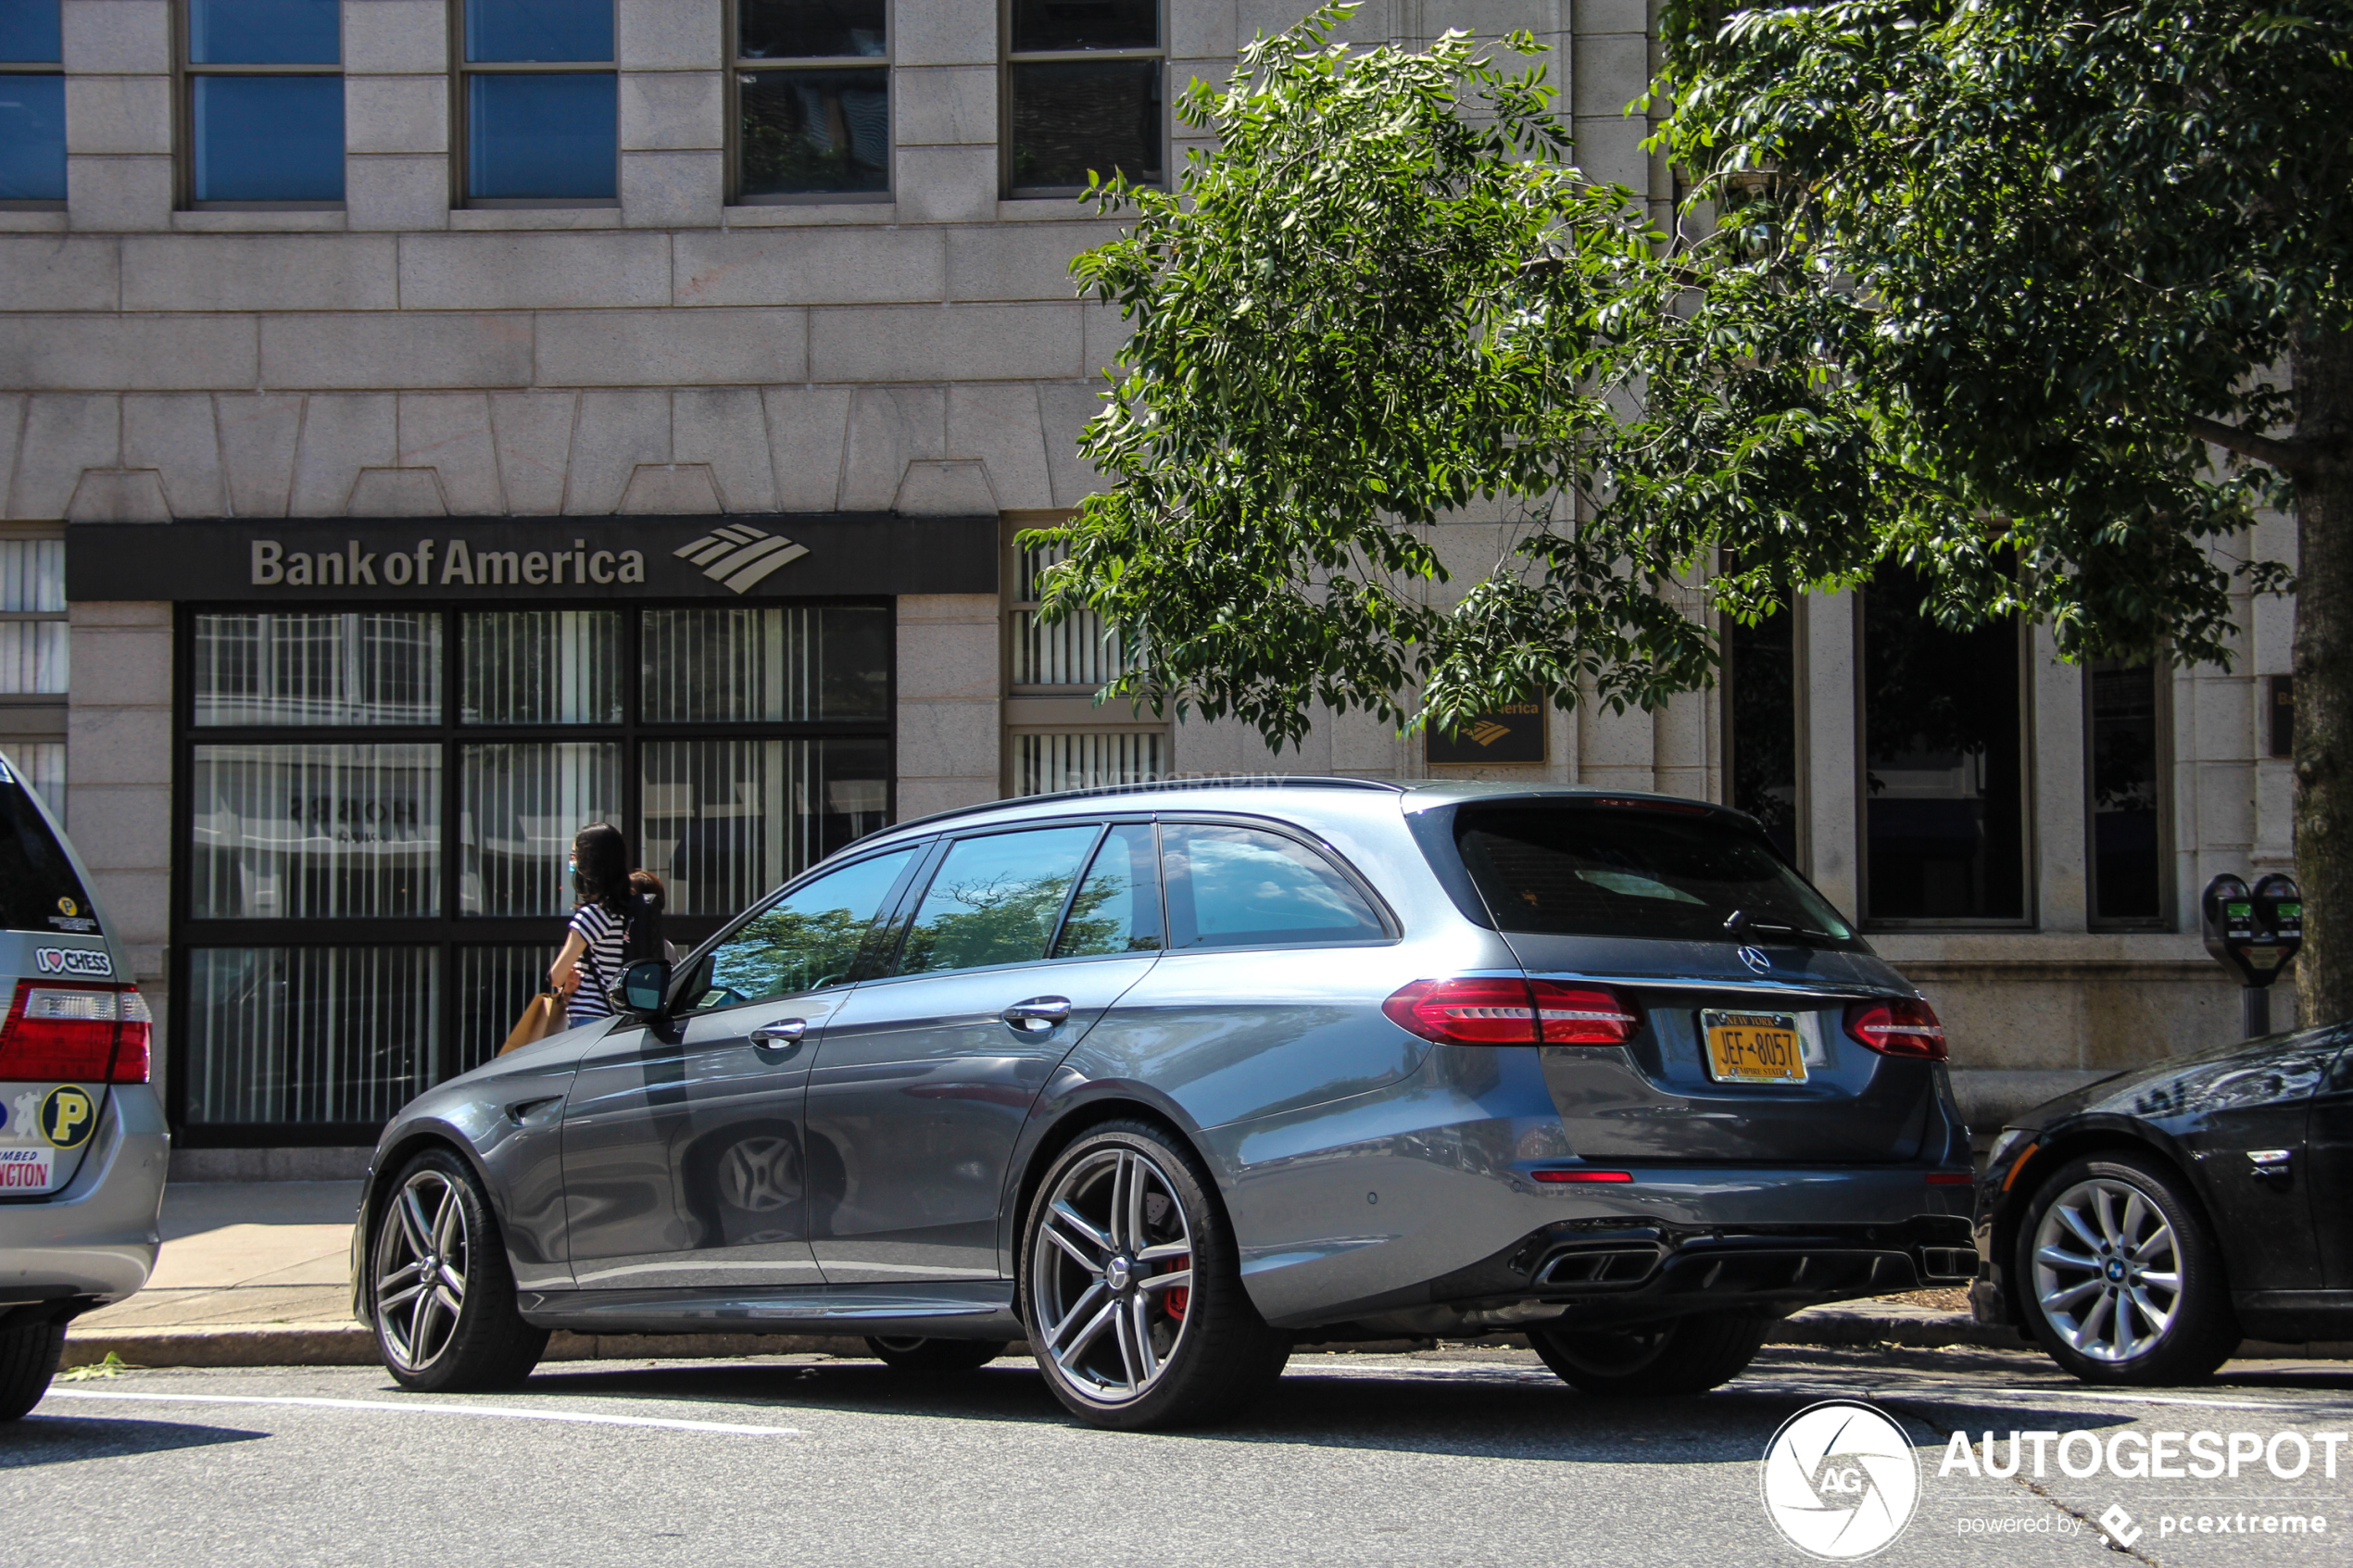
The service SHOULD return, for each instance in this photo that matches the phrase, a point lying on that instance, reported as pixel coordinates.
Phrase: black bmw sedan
(2142, 1226)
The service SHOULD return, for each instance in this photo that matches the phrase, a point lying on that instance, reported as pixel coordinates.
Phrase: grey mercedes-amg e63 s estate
(1167, 1079)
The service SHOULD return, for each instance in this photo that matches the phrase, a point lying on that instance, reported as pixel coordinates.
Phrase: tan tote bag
(542, 1016)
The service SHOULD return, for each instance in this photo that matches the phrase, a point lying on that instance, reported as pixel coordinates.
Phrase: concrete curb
(276, 1345)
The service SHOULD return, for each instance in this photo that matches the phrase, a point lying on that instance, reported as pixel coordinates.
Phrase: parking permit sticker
(67, 1116)
(26, 1170)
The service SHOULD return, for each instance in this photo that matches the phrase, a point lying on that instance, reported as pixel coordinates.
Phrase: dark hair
(650, 894)
(603, 856)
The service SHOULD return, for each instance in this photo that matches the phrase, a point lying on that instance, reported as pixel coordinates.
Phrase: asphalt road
(1474, 1457)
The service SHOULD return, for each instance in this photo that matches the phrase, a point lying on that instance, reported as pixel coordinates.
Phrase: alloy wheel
(2108, 1270)
(1111, 1275)
(424, 1257)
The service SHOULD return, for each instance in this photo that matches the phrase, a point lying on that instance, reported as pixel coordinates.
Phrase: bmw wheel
(2121, 1279)
(1131, 1287)
(443, 1294)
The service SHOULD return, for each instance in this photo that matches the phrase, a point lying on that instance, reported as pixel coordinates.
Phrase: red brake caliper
(1177, 1298)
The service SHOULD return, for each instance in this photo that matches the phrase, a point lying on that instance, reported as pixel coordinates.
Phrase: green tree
(2042, 300)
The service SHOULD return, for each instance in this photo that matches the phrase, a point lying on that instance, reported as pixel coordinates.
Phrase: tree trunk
(2324, 369)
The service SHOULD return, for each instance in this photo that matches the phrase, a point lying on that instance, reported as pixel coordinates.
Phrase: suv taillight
(1498, 1011)
(1898, 1027)
(79, 1032)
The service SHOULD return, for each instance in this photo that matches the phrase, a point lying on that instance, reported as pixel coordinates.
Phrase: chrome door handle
(1038, 1014)
(784, 1032)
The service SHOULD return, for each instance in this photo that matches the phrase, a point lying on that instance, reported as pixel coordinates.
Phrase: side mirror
(644, 986)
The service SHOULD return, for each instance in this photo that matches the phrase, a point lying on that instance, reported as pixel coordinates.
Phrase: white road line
(404, 1408)
(1957, 1394)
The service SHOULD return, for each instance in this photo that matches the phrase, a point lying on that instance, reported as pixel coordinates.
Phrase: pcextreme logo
(1839, 1481)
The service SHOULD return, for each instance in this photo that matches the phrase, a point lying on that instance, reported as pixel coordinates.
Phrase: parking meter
(2253, 933)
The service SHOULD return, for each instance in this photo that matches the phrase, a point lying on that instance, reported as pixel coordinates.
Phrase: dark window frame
(2161, 680)
(2028, 917)
(1008, 59)
(739, 63)
(462, 195)
(185, 72)
(448, 931)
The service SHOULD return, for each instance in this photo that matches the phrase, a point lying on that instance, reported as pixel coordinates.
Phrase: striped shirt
(599, 967)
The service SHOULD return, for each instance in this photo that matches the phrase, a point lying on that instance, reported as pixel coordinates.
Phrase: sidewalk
(255, 1273)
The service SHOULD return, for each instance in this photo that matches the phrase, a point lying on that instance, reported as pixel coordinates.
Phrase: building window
(1084, 94)
(1057, 737)
(33, 666)
(33, 105)
(32, 618)
(378, 805)
(2123, 734)
(813, 99)
(1944, 775)
(1048, 761)
(541, 117)
(1760, 724)
(263, 102)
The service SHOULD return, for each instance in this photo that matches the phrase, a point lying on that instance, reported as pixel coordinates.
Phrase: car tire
(937, 1356)
(29, 1357)
(1687, 1355)
(1131, 1286)
(2119, 1276)
(441, 1292)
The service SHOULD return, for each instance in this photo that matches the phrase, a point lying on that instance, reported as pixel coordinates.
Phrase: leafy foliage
(1968, 284)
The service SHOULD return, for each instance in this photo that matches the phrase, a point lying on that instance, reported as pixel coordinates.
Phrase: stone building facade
(688, 337)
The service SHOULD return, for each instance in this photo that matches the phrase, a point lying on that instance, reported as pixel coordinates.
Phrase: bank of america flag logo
(740, 557)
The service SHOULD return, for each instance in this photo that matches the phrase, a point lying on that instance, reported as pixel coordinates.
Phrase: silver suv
(82, 1141)
(1166, 1080)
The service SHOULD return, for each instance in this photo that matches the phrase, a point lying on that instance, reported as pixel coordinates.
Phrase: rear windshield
(1588, 871)
(38, 889)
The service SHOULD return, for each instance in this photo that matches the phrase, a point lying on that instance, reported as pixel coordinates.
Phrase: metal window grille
(1089, 758)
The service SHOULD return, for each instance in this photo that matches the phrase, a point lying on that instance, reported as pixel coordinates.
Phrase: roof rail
(1210, 781)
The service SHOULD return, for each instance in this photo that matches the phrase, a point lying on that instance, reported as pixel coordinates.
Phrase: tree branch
(2289, 457)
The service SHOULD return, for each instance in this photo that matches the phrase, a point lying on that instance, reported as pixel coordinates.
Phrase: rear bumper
(1580, 1273)
(94, 1242)
(1423, 1197)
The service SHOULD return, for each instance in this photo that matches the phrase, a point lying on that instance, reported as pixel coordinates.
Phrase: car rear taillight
(80, 1033)
(1897, 1026)
(1498, 1011)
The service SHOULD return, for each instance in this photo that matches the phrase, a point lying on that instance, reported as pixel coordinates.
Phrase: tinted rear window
(1583, 871)
(38, 889)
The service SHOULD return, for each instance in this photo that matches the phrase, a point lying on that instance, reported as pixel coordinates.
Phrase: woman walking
(590, 964)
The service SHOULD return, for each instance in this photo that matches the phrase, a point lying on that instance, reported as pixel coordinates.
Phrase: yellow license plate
(1754, 1048)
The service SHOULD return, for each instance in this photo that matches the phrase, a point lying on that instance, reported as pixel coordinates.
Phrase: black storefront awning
(736, 558)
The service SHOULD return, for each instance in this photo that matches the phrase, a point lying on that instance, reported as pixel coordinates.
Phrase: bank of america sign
(738, 557)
